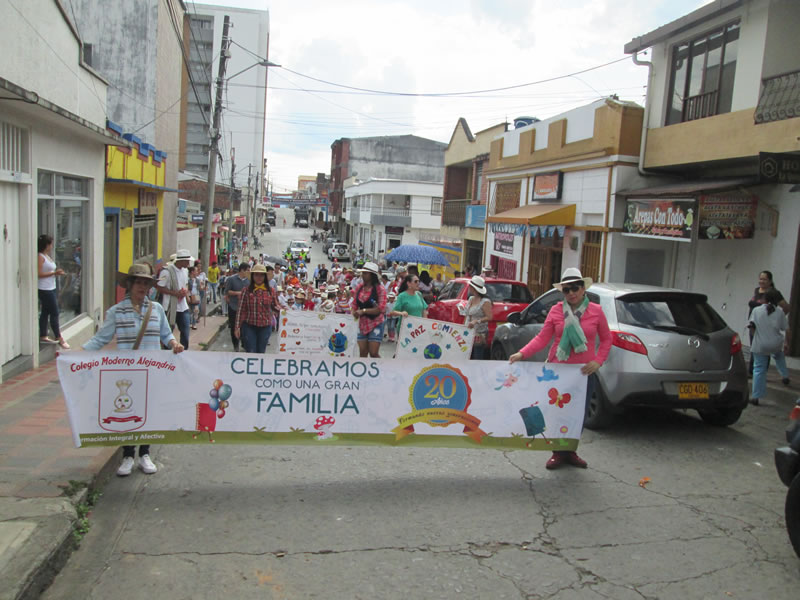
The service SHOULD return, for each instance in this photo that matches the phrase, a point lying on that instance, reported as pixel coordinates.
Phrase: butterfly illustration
(507, 379)
(558, 399)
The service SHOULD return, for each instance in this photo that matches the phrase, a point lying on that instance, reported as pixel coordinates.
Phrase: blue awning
(141, 184)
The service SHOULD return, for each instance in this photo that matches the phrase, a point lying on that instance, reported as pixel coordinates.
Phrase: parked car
(329, 241)
(271, 216)
(507, 296)
(670, 349)
(298, 246)
(302, 223)
(787, 462)
(339, 251)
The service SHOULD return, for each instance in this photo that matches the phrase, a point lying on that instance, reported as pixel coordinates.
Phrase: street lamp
(212, 151)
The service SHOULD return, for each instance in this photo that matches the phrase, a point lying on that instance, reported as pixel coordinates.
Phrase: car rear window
(682, 313)
(508, 292)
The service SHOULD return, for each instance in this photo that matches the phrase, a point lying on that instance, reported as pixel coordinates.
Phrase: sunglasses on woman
(568, 289)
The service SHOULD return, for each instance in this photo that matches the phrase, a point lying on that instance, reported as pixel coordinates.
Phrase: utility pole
(230, 197)
(248, 222)
(224, 54)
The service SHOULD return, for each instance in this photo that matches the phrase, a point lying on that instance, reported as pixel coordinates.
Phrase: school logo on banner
(123, 399)
(440, 396)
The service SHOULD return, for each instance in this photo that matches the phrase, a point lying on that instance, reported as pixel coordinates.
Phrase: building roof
(705, 13)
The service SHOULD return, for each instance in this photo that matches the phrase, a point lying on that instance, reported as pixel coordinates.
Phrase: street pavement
(669, 508)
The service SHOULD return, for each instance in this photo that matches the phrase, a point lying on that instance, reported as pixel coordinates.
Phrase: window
(63, 203)
(702, 73)
(689, 314)
(436, 206)
(145, 239)
(508, 292)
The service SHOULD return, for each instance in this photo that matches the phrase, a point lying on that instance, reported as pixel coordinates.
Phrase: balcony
(780, 98)
(700, 106)
(394, 216)
(454, 212)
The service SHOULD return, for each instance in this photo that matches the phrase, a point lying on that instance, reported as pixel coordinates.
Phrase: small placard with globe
(434, 340)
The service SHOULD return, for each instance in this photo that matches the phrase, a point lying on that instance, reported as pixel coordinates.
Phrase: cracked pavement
(380, 522)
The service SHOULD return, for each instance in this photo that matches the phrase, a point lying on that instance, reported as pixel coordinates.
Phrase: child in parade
(391, 322)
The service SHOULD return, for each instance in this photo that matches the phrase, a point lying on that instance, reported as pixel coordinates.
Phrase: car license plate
(692, 391)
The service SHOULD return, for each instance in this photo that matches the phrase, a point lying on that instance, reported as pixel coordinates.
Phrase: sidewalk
(44, 479)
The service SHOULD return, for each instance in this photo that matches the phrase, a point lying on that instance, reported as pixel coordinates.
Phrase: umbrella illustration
(410, 253)
(277, 261)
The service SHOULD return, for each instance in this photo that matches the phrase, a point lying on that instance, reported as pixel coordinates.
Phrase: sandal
(63, 343)
(47, 340)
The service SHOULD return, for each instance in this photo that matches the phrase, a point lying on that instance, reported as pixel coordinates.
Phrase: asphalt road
(301, 522)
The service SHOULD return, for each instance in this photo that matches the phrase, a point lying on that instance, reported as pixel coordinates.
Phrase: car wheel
(598, 413)
(720, 417)
(793, 513)
(498, 353)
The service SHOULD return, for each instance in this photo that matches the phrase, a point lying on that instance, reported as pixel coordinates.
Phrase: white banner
(129, 397)
(305, 332)
(433, 340)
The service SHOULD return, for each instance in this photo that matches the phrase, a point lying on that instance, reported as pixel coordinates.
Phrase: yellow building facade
(133, 206)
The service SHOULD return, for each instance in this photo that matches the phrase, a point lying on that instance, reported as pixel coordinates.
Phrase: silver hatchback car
(670, 349)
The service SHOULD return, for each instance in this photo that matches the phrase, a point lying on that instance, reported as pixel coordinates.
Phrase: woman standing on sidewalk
(138, 324)
(768, 326)
(573, 325)
(47, 292)
(257, 309)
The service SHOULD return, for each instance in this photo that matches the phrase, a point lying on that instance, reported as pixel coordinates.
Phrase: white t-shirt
(183, 282)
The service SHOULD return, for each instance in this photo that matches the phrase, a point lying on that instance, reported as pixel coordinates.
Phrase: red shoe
(555, 461)
(575, 460)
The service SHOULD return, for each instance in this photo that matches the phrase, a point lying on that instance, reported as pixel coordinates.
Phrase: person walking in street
(478, 315)
(225, 273)
(193, 299)
(409, 299)
(138, 324)
(369, 308)
(172, 284)
(257, 312)
(765, 284)
(48, 298)
(234, 287)
(574, 326)
(768, 326)
(213, 280)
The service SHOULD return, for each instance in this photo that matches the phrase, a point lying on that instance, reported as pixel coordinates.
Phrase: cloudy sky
(403, 48)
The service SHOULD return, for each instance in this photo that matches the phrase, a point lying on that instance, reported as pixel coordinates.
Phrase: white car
(340, 251)
(298, 246)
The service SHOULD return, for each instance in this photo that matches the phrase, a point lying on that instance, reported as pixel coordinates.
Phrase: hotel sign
(778, 168)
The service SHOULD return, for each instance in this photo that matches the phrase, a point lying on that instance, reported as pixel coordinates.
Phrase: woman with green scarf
(573, 325)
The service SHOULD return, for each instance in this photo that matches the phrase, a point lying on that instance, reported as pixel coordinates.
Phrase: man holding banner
(573, 325)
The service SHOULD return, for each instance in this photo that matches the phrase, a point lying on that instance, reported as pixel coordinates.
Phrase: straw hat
(332, 289)
(371, 267)
(571, 275)
(258, 269)
(478, 284)
(136, 270)
(184, 255)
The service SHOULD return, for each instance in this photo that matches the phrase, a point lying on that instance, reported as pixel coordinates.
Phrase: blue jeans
(760, 367)
(255, 339)
(182, 322)
(49, 310)
(213, 287)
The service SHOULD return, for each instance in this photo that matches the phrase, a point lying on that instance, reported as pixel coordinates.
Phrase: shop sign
(661, 219)
(390, 230)
(504, 242)
(148, 202)
(727, 217)
(547, 186)
(238, 220)
(778, 167)
(197, 218)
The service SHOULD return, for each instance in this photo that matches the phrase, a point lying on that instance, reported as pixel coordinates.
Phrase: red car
(507, 296)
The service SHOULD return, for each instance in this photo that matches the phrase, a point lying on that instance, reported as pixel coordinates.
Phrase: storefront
(713, 237)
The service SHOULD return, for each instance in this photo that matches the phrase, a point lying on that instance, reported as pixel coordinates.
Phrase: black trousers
(131, 450)
(232, 325)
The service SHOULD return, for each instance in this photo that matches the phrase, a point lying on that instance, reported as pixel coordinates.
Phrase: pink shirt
(593, 323)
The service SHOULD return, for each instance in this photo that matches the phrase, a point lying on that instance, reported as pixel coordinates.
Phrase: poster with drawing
(312, 333)
(433, 340)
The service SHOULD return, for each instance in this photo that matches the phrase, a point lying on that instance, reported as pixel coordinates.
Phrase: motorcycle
(787, 463)
(315, 237)
(256, 243)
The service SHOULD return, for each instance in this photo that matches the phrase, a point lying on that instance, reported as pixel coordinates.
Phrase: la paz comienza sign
(128, 397)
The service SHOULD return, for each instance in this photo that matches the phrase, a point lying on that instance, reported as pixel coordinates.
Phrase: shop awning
(223, 228)
(690, 188)
(141, 184)
(537, 214)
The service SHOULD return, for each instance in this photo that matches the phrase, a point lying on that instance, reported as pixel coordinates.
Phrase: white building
(245, 94)
(723, 122)
(52, 171)
(381, 214)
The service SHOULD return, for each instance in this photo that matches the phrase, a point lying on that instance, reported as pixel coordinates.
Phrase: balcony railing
(700, 106)
(780, 98)
(454, 212)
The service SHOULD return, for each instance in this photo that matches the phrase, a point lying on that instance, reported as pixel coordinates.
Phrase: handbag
(194, 299)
